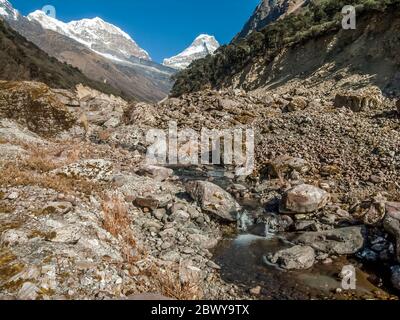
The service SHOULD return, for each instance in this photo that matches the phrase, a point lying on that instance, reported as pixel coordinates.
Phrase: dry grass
(45, 159)
(168, 283)
(118, 223)
(6, 208)
(33, 170)
(14, 174)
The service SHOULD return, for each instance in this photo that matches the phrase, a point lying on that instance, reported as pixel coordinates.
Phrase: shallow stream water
(241, 256)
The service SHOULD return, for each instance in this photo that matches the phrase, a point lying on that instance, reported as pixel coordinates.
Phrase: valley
(84, 215)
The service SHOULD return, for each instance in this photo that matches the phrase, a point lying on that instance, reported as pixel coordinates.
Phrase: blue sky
(162, 27)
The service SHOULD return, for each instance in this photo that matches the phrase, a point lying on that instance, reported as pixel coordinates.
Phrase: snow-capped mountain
(100, 50)
(7, 11)
(202, 46)
(98, 35)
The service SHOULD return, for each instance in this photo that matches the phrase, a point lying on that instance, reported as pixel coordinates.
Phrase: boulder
(157, 173)
(28, 291)
(13, 237)
(285, 164)
(278, 223)
(9, 152)
(113, 122)
(297, 103)
(295, 258)
(303, 199)
(371, 212)
(67, 97)
(214, 199)
(154, 201)
(36, 107)
(393, 209)
(338, 241)
(12, 131)
(391, 223)
(228, 104)
(357, 101)
(396, 277)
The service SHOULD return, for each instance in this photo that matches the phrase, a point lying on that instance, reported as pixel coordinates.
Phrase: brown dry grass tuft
(14, 174)
(118, 223)
(6, 208)
(169, 284)
(45, 159)
(33, 170)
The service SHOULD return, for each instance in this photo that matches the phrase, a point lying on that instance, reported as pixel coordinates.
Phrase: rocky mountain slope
(22, 60)
(86, 205)
(136, 77)
(202, 46)
(267, 12)
(310, 48)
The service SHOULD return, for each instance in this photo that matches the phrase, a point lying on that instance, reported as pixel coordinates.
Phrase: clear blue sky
(162, 27)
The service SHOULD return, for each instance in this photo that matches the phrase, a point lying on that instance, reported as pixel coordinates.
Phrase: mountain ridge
(23, 60)
(299, 46)
(137, 78)
(94, 33)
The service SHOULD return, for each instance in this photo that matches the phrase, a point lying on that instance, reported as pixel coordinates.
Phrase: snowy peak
(50, 23)
(202, 46)
(7, 10)
(107, 39)
(97, 24)
(98, 35)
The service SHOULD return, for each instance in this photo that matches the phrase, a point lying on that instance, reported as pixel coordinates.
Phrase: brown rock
(303, 199)
(369, 98)
(256, 291)
(156, 172)
(297, 103)
(35, 106)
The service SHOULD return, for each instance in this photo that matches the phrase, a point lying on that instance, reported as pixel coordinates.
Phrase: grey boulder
(392, 223)
(338, 241)
(295, 258)
(213, 199)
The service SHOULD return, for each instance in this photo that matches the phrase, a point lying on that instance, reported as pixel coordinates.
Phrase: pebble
(213, 265)
(13, 196)
(256, 291)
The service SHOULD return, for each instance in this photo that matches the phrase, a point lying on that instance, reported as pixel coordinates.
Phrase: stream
(242, 257)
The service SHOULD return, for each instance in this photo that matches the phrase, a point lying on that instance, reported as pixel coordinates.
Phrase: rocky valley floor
(82, 216)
